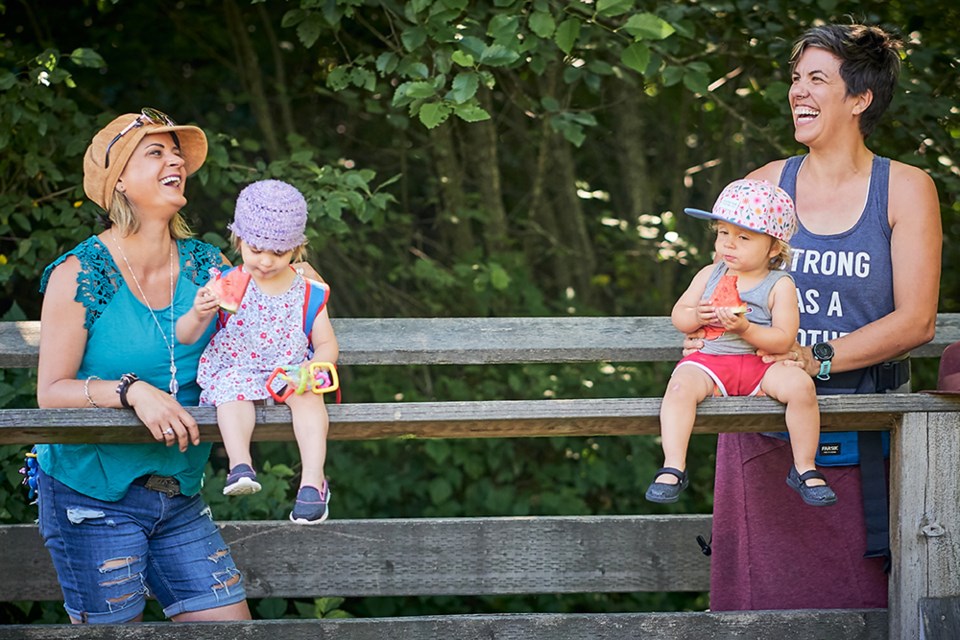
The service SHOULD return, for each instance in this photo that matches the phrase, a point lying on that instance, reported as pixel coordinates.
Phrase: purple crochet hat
(270, 215)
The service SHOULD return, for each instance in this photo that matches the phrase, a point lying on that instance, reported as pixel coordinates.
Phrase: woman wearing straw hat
(125, 520)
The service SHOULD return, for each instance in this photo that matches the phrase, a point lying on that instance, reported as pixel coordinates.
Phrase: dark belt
(162, 484)
(879, 378)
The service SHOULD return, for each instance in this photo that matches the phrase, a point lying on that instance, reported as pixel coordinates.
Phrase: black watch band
(126, 380)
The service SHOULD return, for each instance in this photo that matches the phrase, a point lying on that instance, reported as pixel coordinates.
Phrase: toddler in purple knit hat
(268, 341)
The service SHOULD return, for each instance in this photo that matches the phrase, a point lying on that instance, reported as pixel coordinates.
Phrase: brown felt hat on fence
(125, 133)
(948, 380)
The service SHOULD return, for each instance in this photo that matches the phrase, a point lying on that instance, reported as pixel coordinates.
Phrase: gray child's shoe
(311, 505)
(815, 496)
(241, 481)
(664, 493)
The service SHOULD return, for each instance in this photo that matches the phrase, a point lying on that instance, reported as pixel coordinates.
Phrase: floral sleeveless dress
(266, 332)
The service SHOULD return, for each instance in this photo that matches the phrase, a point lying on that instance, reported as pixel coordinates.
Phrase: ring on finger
(168, 431)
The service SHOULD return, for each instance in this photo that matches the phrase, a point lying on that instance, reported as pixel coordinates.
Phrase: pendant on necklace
(174, 385)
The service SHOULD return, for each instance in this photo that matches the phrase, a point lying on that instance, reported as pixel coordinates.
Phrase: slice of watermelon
(229, 288)
(725, 295)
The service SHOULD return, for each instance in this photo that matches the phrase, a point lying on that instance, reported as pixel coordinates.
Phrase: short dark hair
(869, 59)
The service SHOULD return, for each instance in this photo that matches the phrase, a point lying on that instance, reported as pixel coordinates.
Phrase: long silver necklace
(168, 342)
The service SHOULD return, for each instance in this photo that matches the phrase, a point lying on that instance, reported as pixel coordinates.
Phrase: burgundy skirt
(772, 551)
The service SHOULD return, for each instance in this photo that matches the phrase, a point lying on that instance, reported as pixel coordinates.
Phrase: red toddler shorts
(736, 375)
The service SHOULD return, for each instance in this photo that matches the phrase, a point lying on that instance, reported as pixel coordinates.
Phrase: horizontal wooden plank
(450, 556)
(481, 419)
(370, 341)
(865, 624)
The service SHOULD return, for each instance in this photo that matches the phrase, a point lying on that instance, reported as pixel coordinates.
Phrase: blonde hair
(782, 259)
(299, 252)
(124, 219)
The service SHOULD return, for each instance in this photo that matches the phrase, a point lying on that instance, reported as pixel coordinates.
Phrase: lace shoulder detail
(97, 281)
(199, 258)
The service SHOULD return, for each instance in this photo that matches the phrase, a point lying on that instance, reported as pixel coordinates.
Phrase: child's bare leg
(236, 421)
(795, 388)
(688, 387)
(310, 426)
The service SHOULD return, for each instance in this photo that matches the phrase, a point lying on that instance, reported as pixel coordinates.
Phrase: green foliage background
(495, 158)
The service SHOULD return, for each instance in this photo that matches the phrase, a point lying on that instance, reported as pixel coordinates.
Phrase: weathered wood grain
(940, 618)
(867, 624)
(484, 556)
(372, 341)
(909, 570)
(449, 556)
(481, 419)
(925, 512)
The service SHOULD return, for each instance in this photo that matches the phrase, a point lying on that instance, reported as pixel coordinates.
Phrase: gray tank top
(757, 300)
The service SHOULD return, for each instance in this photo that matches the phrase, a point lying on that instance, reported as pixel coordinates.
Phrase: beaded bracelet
(86, 391)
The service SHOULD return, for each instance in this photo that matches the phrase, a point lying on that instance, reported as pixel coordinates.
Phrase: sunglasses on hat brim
(147, 115)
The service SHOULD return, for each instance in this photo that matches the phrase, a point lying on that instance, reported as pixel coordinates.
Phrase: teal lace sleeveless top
(123, 337)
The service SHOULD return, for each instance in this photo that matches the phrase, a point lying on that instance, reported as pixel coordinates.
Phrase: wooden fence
(530, 555)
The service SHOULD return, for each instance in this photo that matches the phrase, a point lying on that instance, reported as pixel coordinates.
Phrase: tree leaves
(84, 57)
(471, 112)
(463, 59)
(433, 113)
(636, 56)
(496, 55)
(542, 24)
(566, 35)
(611, 8)
(464, 87)
(647, 26)
(413, 37)
(309, 29)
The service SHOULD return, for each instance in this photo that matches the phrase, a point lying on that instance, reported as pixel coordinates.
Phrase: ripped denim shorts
(110, 555)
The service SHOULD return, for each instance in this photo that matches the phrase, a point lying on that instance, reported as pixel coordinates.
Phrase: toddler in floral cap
(744, 302)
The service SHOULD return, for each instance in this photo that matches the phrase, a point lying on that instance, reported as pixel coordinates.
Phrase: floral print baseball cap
(757, 205)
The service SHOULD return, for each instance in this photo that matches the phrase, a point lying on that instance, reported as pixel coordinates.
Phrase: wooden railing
(481, 556)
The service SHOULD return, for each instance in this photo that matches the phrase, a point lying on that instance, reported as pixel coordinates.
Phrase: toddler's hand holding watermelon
(731, 319)
(205, 303)
(228, 288)
(724, 310)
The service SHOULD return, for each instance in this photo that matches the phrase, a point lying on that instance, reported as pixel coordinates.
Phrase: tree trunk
(452, 220)
(250, 74)
(486, 170)
(279, 72)
(679, 198)
(577, 245)
(631, 147)
(542, 242)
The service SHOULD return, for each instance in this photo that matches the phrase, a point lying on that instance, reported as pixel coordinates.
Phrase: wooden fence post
(925, 515)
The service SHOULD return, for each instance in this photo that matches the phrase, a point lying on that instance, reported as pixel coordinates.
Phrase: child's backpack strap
(222, 317)
(313, 303)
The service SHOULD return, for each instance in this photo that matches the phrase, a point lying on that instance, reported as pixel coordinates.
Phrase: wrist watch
(823, 353)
